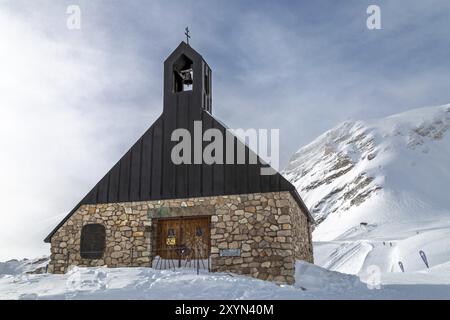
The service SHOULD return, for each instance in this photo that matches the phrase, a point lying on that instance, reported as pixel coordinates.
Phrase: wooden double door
(184, 238)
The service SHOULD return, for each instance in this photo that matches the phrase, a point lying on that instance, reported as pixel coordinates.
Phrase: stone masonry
(269, 229)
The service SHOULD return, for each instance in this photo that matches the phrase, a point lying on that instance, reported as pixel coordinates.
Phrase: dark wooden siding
(146, 171)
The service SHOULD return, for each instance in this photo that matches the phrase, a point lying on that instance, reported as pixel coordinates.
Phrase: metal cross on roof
(187, 34)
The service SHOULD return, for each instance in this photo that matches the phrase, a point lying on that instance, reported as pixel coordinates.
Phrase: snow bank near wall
(312, 277)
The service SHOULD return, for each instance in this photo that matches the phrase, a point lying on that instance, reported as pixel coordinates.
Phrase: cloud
(62, 125)
(72, 102)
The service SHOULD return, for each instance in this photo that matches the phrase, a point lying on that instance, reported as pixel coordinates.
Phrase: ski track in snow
(349, 257)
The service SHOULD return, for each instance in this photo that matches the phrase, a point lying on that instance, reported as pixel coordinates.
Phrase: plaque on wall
(230, 252)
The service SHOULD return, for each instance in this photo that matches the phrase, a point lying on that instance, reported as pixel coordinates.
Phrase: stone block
(284, 219)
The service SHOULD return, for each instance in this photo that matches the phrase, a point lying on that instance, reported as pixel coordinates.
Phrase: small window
(199, 232)
(92, 244)
(171, 233)
(207, 83)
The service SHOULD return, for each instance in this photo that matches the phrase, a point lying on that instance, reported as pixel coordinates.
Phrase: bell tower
(187, 82)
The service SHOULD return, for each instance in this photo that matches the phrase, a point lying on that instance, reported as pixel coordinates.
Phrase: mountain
(25, 266)
(379, 191)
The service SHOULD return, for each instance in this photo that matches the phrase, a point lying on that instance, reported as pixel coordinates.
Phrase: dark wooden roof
(146, 171)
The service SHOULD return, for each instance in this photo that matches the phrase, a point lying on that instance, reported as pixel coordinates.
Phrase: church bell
(187, 77)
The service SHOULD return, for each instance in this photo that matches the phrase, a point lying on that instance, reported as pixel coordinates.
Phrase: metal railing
(197, 258)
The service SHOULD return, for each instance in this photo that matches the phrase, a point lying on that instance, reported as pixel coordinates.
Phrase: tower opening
(183, 75)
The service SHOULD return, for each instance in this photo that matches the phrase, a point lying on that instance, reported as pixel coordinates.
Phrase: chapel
(151, 211)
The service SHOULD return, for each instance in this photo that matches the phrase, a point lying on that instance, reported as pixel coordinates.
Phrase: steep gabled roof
(146, 172)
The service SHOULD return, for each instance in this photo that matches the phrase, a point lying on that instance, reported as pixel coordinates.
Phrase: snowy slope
(13, 267)
(312, 282)
(379, 191)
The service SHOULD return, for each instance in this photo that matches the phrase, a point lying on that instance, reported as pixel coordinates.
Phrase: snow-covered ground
(379, 192)
(312, 282)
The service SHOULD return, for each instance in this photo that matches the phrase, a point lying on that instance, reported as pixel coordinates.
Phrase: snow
(379, 191)
(312, 282)
(13, 267)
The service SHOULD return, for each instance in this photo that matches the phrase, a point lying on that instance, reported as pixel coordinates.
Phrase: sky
(73, 101)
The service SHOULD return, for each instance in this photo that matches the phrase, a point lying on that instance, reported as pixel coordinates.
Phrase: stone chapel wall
(268, 231)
